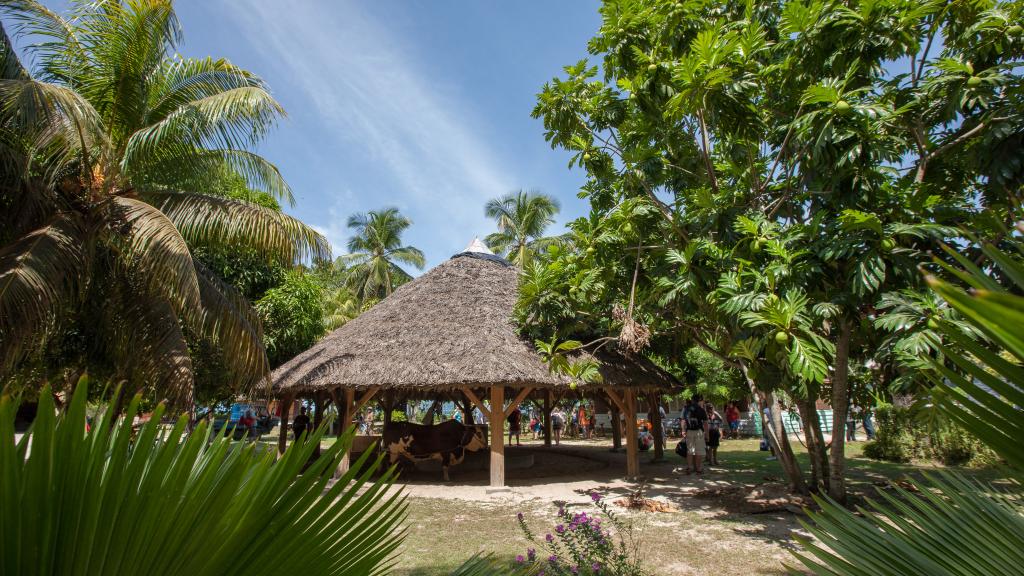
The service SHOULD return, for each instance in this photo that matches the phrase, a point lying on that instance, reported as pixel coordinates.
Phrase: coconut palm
(117, 154)
(522, 218)
(375, 250)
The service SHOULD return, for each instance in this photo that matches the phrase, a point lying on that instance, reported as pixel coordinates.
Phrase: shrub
(901, 437)
(583, 544)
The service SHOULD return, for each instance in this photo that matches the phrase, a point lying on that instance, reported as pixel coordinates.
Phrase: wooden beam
(366, 397)
(479, 405)
(616, 399)
(497, 437)
(519, 400)
(632, 449)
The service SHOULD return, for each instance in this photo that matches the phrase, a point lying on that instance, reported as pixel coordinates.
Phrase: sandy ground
(729, 520)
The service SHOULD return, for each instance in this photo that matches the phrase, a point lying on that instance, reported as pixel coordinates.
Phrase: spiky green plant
(161, 500)
(947, 524)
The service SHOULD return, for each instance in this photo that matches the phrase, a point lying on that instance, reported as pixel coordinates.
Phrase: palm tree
(374, 250)
(522, 218)
(117, 155)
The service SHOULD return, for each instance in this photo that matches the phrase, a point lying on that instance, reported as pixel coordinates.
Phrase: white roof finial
(477, 246)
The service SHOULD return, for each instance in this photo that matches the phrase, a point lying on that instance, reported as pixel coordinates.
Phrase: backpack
(681, 448)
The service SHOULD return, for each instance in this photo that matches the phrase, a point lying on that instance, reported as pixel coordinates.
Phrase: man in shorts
(732, 417)
(696, 424)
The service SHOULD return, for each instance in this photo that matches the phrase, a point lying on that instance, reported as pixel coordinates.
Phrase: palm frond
(233, 119)
(209, 220)
(156, 250)
(204, 171)
(229, 320)
(134, 503)
(153, 353)
(39, 275)
(948, 525)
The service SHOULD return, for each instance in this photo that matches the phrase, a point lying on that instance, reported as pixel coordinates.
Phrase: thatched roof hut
(451, 331)
(450, 328)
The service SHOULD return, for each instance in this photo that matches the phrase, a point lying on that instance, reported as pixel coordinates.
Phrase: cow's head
(476, 439)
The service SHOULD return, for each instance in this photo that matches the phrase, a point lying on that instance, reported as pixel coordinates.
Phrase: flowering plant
(584, 544)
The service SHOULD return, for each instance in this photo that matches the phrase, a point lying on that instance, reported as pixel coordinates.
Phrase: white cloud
(375, 104)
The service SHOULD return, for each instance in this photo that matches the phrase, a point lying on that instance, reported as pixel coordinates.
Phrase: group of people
(702, 427)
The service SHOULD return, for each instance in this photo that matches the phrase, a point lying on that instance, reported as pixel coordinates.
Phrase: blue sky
(423, 105)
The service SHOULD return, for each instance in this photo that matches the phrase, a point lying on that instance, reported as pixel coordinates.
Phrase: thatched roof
(450, 328)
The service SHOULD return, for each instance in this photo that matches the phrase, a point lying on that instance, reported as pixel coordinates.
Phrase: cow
(447, 442)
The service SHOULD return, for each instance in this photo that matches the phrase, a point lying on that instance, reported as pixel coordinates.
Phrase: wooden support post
(318, 416)
(497, 424)
(616, 428)
(286, 408)
(344, 421)
(657, 428)
(632, 449)
(548, 407)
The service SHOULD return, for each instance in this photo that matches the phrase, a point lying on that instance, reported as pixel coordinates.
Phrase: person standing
(732, 418)
(514, 424)
(696, 431)
(584, 422)
(851, 423)
(557, 423)
(714, 434)
(301, 424)
(869, 424)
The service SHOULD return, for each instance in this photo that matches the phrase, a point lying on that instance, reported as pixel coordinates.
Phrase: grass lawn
(708, 534)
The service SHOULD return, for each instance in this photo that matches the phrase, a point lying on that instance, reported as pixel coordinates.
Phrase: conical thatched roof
(449, 328)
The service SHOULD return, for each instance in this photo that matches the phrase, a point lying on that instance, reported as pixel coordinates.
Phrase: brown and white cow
(447, 442)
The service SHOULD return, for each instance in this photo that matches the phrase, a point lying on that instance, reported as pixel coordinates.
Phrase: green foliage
(762, 179)
(901, 435)
(120, 160)
(584, 544)
(979, 390)
(710, 377)
(374, 252)
(522, 219)
(110, 500)
(293, 315)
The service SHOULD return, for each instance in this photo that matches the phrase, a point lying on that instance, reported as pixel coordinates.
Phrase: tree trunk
(657, 428)
(815, 444)
(776, 433)
(840, 406)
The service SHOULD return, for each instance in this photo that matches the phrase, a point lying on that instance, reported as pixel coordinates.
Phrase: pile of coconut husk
(637, 501)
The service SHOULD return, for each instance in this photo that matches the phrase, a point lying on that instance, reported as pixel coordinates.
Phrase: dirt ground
(737, 518)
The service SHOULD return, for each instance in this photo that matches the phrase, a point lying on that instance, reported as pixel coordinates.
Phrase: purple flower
(549, 538)
(552, 558)
(595, 496)
(596, 566)
(520, 559)
(559, 528)
(575, 569)
(531, 554)
(520, 516)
